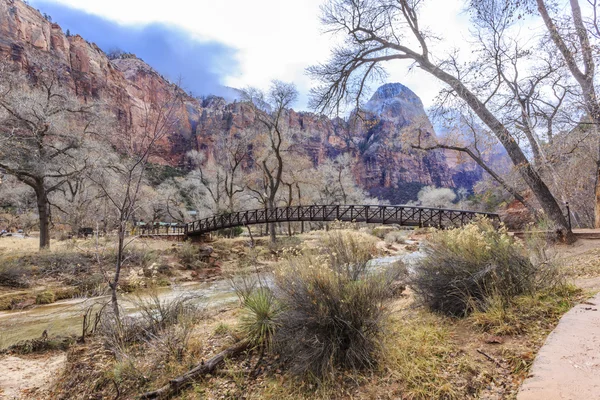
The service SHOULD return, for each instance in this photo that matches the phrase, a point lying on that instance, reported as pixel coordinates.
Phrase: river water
(65, 317)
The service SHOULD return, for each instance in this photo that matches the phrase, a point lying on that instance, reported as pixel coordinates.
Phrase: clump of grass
(465, 268)
(259, 317)
(421, 357)
(398, 237)
(45, 297)
(222, 329)
(333, 308)
(527, 313)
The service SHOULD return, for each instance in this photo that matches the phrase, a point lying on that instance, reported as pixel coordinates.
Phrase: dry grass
(428, 356)
(527, 314)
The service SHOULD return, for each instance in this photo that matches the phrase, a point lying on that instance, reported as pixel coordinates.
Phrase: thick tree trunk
(44, 214)
(526, 170)
(585, 77)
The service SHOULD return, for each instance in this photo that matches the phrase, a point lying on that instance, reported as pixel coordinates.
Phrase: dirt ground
(26, 377)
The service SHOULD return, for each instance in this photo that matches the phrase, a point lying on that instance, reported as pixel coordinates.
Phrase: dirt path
(567, 367)
(26, 377)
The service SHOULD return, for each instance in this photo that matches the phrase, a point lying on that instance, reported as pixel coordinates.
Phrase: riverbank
(430, 356)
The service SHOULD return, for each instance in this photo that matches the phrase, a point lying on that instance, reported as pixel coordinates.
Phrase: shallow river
(65, 317)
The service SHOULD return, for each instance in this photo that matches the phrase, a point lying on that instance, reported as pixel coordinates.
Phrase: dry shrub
(466, 267)
(15, 276)
(188, 253)
(61, 262)
(30, 346)
(155, 322)
(333, 307)
(398, 237)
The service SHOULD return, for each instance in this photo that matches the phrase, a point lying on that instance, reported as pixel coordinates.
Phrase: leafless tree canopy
(516, 86)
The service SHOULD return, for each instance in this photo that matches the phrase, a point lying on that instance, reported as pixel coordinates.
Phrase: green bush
(259, 316)
(333, 307)
(464, 268)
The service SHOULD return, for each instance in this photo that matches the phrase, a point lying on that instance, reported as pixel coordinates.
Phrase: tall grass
(465, 268)
(333, 307)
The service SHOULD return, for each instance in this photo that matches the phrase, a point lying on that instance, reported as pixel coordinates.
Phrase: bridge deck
(400, 215)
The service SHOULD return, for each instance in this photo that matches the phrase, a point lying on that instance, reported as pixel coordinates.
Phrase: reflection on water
(65, 317)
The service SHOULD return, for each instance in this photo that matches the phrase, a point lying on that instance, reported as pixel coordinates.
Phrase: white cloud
(276, 39)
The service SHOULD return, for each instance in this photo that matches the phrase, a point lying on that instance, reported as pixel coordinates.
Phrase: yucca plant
(259, 316)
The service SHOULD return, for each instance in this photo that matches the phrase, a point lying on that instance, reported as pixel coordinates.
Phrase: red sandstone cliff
(385, 166)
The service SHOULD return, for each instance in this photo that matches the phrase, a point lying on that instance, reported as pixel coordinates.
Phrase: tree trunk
(597, 205)
(115, 283)
(44, 214)
(585, 77)
(526, 170)
(272, 224)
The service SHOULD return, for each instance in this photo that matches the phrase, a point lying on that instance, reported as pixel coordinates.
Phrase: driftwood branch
(177, 384)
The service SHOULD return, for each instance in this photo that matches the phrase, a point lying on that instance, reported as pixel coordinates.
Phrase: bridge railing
(157, 229)
(401, 215)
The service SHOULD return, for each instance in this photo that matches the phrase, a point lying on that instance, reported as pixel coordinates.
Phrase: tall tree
(220, 174)
(271, 112)
(579, 57)
(378, 31)
(42, 127)
(122, 177)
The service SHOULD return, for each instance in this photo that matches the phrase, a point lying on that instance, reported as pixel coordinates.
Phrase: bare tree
(220, 173)
(579, 57)
(271, 111)
(378, 31)
(122, 177)
(42, 126)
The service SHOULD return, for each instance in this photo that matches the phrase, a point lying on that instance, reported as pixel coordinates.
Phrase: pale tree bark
(584, 77)
(271, 110)
(379, 31)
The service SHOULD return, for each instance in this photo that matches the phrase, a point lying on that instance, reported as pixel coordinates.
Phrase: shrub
(41, 345)
(46, 297)
(191, 254)
(61, 262)
(155, 318)
(333, 307)
(259, 315)
(13, 275)
(466, 267)
(396, 237)
(382, 231)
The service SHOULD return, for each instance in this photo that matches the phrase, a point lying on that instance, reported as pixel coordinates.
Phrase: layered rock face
(373, 136)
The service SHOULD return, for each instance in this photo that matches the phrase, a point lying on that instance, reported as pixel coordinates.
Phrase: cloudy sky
(238, 43)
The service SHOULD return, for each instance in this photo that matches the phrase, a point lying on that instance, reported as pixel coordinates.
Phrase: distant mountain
(373, 136)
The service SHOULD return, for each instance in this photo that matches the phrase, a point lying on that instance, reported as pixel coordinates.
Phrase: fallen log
(176, 384)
